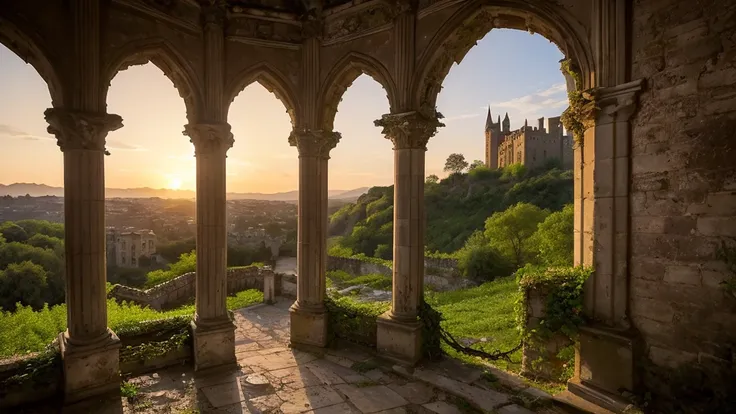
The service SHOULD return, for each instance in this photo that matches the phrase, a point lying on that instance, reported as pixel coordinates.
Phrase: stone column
(605, 355)
(89, 349)
(399, 330)
(213, 328)
(308, 317)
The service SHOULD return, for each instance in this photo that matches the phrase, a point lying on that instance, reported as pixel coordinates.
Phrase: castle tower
(493, 138)
(506, 124)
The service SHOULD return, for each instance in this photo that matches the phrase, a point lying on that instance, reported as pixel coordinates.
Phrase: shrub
(480, 262)
(47, 242)
(23, 283)
(384, 251)
(514, 171)
(12, 232)
(354, 321)
(554, 238)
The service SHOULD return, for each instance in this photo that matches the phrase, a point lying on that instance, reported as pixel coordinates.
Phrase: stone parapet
(182, 289)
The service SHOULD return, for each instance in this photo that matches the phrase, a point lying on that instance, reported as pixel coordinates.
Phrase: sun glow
(174, 183)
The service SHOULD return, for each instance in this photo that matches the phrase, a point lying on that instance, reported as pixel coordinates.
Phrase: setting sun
(174, 183)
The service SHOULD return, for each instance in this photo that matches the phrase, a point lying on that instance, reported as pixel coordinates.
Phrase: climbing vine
(173, 333)
(45, 366)
(581, 106)
(563, 288)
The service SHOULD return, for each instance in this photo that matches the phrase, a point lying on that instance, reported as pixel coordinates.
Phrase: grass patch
(344, 279)
(486, 311)
(354, 321)
(26, 330)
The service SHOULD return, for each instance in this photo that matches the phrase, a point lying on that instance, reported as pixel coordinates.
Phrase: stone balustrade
(181, 289)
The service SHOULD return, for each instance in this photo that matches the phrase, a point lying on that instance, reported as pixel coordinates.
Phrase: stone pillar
(213, 328)
(89, 349)
(605, 361)
(308, 316)
(399, 330)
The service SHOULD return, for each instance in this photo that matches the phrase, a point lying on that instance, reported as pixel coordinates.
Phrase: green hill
(455, 207)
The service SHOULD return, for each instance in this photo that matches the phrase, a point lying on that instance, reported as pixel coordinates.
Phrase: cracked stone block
(372, 399)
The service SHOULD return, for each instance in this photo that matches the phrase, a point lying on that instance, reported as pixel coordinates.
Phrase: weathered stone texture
(683, 203)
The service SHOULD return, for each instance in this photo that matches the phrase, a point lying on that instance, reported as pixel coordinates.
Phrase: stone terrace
(273, 378)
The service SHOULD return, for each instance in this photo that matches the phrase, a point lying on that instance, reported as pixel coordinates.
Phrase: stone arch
(271, 79)
(342, 75)
(35, 55)
(474, 20)
(165, 57)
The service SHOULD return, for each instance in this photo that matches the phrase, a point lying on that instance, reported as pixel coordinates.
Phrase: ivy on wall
(581, 105)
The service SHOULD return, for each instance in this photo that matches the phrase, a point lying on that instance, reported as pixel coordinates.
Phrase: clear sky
(513, 71)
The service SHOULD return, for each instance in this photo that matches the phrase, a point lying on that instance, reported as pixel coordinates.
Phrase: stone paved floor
(274, 378)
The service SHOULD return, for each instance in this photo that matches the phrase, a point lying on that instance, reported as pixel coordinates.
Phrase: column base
(214, 346)
(399, 341)
(308, 326)
(90, 370)
(604, 367)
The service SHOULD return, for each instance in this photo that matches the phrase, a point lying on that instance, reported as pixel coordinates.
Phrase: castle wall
(683, 199)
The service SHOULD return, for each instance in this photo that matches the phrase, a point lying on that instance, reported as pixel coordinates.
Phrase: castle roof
(489, 119)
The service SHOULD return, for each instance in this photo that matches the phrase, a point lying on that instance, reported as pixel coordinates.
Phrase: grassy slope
(29, 331)
(486, 311)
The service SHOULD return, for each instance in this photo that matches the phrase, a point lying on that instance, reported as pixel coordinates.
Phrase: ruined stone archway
(32, 53)
(271, 79)
(473, 21)
(164, 56)
(342, 75)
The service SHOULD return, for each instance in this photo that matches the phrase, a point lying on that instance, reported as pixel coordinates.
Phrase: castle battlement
(530, 146)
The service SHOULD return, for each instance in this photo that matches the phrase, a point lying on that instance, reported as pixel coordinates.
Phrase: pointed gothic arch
(475, 19)
(271, 79)
(34, 54)
(342, 75)
(162, 54)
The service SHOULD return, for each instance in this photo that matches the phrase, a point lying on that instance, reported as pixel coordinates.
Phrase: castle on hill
(529, 146)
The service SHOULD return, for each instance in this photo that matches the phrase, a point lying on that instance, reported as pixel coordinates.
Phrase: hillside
(455, 207)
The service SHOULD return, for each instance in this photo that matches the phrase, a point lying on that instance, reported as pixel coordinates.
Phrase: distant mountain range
(39, 190)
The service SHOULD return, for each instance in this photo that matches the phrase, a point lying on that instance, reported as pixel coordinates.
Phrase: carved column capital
(616, 103)
(409, 129)
(311, 143)
(213, 15)
(209, 138)
(76, 130)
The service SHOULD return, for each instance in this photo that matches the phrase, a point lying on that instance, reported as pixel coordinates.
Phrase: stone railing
(440, 273)
(181, 289)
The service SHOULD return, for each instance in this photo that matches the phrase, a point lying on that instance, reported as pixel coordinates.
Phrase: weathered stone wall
(180, 290)
(357, 266)
(683, 196)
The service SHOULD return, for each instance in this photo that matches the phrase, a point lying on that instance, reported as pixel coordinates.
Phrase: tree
(432, 179)
(554, 238)
(475, 164)
(456, 163)
(480, 262)
(23, 282)
(273, 229)
(510, 232)
(46, 242)
(13, 232)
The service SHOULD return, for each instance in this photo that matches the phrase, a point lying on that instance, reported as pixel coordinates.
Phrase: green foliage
(26, 330)
(352, 320)
(384, 251)
(514, 171)
(23, 284)
(486, 311)
(480, 262)
(128, 390)
(554, 238)
(432, 179)
(373, 281)
(173, 251)
(12, 232)
(431, 331)
(476, 164)
(187, 263)
(455, 163)
(44, 366)
(47, 242)
(129, 276)
(510, 232)
(562, 287)
(456, 207)
(581, 106)
(339, 250)
(46, 228)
